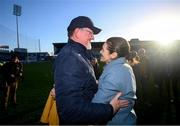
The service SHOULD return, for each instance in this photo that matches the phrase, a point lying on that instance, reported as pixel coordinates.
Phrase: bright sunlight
(161, 28)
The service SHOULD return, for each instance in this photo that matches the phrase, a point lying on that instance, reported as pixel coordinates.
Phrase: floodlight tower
(17, 12)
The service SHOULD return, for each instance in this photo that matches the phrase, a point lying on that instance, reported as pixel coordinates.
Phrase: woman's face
(105, 54)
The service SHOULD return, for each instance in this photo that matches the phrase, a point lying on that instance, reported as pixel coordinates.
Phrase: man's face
(85, 35)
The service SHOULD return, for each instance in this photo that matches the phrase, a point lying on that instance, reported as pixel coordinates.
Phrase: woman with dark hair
(117, 76)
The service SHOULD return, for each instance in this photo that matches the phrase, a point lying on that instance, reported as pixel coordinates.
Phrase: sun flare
(162, 28)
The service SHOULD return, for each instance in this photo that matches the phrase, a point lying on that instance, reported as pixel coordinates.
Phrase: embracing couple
(79, 98)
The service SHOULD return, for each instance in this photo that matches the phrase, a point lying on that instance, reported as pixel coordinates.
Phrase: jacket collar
(120, 60)
(79, 47)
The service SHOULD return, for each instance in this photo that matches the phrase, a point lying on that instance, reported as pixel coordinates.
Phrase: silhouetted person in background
(133, 58)
(11, 72)
(142, 72)
(95, 65)
(93, 60)
(1, 83)
(176, 82)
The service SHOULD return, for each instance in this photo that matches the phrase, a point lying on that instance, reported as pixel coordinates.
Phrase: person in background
(95, 65)
(75, 82)
(133, 58)
(117, 76)
(1, 84)
(94, 62)
(142, 73)
(12, 72)
(1, 78)
(176, 82)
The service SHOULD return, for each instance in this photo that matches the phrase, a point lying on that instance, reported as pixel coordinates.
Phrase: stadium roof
(4, 46)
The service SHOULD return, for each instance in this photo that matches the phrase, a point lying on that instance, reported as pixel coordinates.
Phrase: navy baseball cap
(83, 22)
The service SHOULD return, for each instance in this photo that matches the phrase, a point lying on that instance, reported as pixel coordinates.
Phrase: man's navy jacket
(75, 86)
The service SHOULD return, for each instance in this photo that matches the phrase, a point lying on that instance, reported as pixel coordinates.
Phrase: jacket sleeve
(74, 95)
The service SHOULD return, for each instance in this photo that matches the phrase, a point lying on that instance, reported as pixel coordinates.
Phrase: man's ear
(114, 55)
(76, 33)
(76, 30)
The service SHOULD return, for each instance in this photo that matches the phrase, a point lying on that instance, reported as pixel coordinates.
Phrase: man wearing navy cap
(75, 82)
